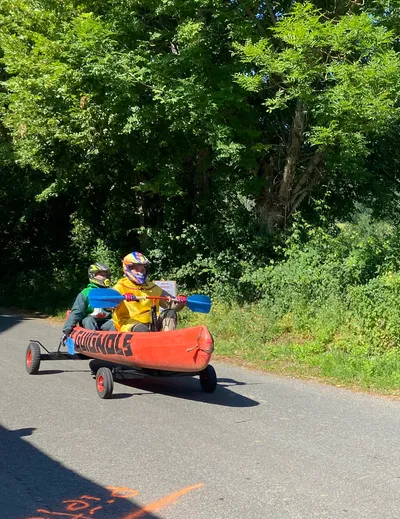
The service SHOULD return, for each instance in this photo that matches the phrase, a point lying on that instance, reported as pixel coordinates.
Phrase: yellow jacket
(129, 313)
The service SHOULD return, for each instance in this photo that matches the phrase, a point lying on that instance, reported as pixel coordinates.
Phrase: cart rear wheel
(208, 379)
(104, 383)
(32, 358)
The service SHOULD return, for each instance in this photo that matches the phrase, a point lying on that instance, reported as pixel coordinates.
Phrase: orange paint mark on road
(162, 502)
(78, 504)
(73, 507)
(94, 510)
(123, 492)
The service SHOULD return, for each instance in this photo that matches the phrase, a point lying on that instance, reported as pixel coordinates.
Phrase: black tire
(208, 379)
(104, 383)
(95, 365)
(32, 358)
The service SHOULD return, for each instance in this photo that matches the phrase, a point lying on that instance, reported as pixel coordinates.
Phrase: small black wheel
(32, 358)
(208, 379)
(104, 383)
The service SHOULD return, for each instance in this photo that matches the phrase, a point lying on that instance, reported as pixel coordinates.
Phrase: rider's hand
(182, 300)
(64, 338)
(130, 297)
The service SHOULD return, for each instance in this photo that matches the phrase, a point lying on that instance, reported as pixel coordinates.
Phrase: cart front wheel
(104, 383)
(208, 379)
(32, 358)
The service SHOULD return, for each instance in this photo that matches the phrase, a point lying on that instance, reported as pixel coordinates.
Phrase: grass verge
(249, 337)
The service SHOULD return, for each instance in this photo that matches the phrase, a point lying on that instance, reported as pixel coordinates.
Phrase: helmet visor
(101, 278)
(137, 267)
(136, 272)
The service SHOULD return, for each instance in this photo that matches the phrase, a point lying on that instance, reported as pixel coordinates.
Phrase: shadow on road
(185, 387)
(34, 486)
(189, 389)
(9, 321)
(8, 318)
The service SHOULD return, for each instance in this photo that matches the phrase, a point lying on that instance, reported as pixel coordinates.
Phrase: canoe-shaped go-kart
(122, 355)
(185, 350)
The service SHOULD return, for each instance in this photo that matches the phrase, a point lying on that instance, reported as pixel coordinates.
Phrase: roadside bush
(326, 265)
(375, 309)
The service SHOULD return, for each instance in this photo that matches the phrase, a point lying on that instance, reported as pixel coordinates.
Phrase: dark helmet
(94, 269)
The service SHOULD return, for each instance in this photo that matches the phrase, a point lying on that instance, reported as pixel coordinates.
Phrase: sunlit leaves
(343, 69)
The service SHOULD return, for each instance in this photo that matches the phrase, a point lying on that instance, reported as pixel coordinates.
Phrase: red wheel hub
(100, 383)
(29, 359)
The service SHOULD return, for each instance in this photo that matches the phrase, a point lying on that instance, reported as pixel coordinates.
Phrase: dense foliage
(329, 310)
(191, 129)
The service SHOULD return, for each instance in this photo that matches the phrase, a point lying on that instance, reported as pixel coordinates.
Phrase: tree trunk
(286, 190)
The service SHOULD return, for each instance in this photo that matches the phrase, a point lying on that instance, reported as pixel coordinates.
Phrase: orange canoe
(186, 350)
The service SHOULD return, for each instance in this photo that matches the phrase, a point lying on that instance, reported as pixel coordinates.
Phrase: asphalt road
(259, 447)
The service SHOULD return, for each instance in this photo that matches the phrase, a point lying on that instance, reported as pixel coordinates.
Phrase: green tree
(332, 86)
(129, 111)
(155, 129)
